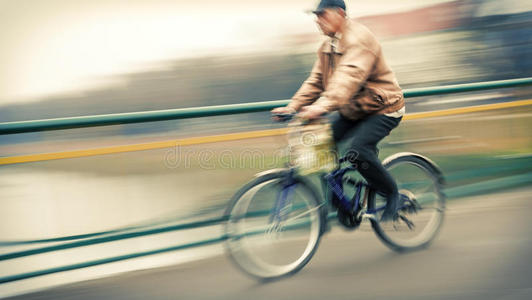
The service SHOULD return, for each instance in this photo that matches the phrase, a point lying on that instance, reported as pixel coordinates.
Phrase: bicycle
(275, 222)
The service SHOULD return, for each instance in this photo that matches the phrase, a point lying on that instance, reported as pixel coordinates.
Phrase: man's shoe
(388, 216)
(393, 204)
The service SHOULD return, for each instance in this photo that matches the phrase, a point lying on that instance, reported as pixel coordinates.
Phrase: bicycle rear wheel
(274, 226)
(420, 183)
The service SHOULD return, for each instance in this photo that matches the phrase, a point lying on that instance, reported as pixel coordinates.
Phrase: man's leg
(340, 126)
(364, 137)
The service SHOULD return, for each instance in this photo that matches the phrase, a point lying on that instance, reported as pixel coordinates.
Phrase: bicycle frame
(331, 182)
(334, 182)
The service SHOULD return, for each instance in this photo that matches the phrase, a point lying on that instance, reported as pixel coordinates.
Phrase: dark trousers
(362, 137)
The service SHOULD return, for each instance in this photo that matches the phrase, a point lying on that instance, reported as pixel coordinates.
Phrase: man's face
(329, 21)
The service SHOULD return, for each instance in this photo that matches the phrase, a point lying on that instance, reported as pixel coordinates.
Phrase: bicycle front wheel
(420, 184)
(274, 225)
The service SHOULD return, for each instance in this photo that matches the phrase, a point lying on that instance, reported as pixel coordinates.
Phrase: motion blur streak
(77, 58)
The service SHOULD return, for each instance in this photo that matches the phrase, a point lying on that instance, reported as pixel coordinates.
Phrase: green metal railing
(128, 233)
(28, 275)
(218, 110)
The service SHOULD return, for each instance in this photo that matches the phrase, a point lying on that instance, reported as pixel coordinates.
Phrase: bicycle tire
(242, 254)
(386, 232)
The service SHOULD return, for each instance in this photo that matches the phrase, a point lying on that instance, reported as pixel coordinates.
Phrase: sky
(61, 46)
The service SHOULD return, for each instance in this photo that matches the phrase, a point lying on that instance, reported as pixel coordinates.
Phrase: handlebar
(291, 116)
(284, 117)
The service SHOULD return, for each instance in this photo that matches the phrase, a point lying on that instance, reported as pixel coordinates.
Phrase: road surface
(483, 252)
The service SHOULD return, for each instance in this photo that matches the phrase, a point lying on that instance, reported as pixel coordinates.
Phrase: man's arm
(352, 72)
(310, 90)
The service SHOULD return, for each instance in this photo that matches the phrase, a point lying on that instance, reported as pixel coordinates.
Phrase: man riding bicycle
(351, 76)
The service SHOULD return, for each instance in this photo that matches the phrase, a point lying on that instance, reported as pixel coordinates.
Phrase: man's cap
(328, 4)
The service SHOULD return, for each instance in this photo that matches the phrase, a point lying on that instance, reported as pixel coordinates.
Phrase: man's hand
(281, 111)
(312, 112)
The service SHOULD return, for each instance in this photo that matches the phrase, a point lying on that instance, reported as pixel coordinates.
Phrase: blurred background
(74, 58)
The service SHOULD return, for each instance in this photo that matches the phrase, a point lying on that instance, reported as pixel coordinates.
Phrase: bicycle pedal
(408, 223)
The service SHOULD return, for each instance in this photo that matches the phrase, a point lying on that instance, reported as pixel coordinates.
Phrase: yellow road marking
(232, 136)
(465, 110)
(141, 147)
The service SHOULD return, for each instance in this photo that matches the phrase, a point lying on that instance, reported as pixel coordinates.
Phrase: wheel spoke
(303, 213)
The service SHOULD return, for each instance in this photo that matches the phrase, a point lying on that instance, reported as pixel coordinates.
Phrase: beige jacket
(357, 82)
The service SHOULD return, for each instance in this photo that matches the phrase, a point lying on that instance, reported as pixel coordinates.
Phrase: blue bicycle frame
(333, 182)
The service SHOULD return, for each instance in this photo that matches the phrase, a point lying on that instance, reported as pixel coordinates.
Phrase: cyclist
(351, 76)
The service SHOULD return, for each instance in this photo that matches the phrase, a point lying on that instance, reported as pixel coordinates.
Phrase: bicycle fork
(283, 204)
